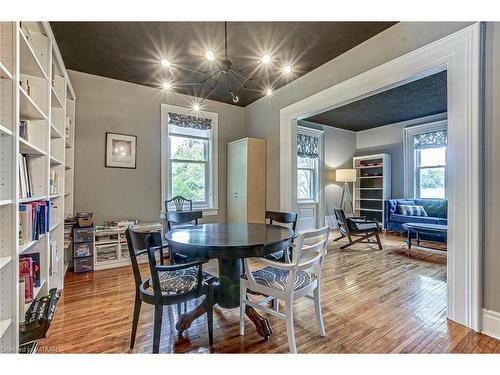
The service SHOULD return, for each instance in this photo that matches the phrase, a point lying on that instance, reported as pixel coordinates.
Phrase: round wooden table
(229, 244)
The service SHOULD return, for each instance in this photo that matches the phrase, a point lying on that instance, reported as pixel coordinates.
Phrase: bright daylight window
(189, 159)
(306, 177)
(430, 165)
(307, 167)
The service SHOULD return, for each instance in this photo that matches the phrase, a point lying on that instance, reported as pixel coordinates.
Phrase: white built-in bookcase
(372, 186)
(28, 51)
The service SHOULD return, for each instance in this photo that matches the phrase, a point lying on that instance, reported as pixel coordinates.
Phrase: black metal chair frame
(149, 289)
(363, 235)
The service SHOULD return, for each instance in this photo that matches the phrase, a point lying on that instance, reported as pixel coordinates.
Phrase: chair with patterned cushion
(360, 227)
(284, 219)
(287, 281)
(168, 285)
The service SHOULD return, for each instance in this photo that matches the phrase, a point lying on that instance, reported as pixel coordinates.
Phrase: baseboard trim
(491, 323)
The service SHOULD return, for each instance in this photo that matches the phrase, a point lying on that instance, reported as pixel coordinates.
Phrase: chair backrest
(179, 201)
(182, 217)
(138, 243)
(341, 221)
(280, 218)
(309, 252)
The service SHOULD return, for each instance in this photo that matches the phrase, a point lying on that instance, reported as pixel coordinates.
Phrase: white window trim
(214, 157)
(409, 133)
(319, 162)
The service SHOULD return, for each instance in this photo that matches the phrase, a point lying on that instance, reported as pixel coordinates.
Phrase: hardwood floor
(387, 301)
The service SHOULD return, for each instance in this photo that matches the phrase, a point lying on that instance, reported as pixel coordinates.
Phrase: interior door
(237, 182)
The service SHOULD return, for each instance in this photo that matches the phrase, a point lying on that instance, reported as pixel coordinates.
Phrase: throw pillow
(408, 210)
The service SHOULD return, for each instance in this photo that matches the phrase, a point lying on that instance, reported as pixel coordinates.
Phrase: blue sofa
(437, 211)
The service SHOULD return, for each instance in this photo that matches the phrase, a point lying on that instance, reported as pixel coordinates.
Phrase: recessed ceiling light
(196, 107)
(166, 85)
(287, 69)
(266, 59)
(210, 56)
(165, 63)
(269, 92)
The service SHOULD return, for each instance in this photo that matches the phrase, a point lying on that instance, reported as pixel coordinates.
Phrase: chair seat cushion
(181, 281)
(366, 227)
(277, 256)
(276, 278)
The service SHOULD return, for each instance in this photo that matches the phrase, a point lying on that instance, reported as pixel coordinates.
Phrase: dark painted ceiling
(424, 97)
(131, 51)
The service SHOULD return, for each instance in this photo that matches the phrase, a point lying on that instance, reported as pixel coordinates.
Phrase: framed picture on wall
(121, 150)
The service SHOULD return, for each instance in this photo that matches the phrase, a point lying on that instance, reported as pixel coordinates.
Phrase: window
(307, 165)
(430, 172)
(306, 178)
(425, 160)
(189, 157)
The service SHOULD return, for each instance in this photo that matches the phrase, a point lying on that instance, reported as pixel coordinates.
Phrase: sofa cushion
(414, 219)
(410, 210)
(434, 207)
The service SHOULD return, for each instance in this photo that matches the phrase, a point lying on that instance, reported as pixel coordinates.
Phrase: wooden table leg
(188, 318)
(261, 324)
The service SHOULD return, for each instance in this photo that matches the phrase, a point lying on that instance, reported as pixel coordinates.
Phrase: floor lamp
(346, 176)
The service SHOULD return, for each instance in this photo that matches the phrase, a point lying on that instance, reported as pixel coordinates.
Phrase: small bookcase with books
(37, 119)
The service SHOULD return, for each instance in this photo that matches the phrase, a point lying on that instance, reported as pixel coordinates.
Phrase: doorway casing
(459, 55)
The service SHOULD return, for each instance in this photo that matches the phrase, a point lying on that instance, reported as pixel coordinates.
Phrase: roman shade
(187, 121)
(431, 140)
(307, 146)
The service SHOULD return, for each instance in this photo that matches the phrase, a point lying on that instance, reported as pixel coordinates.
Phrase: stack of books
(25, 176)
(34, 219)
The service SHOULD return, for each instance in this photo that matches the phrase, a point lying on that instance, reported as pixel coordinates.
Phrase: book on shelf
(35, 267)
(34, 219)
(54, 213)
(54, 257)
(54, 181)
(24, 129)
(25, 176)
(21, 300)
(67, 126)
(26, 274)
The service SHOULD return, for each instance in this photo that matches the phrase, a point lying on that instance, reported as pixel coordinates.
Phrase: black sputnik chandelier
(235, 80)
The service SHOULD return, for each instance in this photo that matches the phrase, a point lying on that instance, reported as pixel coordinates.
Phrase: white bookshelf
(372, 186)
(29, 55)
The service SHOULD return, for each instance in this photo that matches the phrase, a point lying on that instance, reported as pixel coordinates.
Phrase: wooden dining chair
(284, 219)
(179, 202)
(356, 229)
(287, 281)
(168, 285)
(181, 219)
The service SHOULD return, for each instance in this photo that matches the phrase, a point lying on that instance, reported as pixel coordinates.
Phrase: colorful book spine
(26, 274)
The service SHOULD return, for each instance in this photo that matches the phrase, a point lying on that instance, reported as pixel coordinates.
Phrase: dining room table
(229, 244)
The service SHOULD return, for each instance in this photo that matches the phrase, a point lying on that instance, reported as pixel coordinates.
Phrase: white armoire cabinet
(246, 181)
